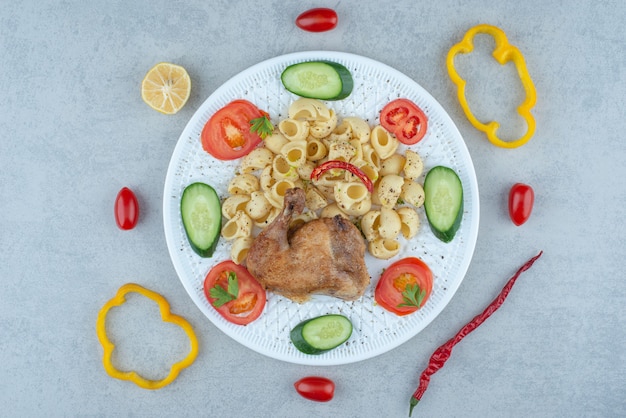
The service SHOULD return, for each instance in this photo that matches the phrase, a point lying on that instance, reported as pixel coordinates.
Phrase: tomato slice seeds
(405, 120)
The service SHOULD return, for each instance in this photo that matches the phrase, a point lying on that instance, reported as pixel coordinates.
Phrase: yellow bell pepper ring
(503, 53)
(166, 316)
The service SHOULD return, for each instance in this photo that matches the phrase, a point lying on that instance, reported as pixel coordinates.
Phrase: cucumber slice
(321, 334)
(201, 211)
(323, 80)
(443, 202)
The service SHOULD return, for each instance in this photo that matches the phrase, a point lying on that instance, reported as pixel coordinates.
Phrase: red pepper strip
(329, 165)
(442, 354)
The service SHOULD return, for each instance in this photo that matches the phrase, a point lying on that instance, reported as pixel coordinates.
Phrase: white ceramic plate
(375, 330)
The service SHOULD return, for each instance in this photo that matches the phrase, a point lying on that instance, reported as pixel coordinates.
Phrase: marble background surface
(74, 130)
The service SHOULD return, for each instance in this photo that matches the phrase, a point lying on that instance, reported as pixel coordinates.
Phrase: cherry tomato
(227, 135)
(320, 19)
(405, 120)
(404, 286)
(521, 200)
(126, 209)
(315, 388)
(247, 304)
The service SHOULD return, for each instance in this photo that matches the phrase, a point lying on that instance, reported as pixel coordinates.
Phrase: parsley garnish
(262, 126)
(222, 295)
(412, 296)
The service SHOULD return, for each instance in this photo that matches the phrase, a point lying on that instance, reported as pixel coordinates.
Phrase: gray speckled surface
(74, 130)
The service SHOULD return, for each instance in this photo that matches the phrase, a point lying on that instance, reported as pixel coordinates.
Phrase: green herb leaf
(233, 284)
(412, 296)
(262, 126)
(223, 296)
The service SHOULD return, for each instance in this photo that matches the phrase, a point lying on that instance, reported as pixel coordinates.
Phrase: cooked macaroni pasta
(310, 135)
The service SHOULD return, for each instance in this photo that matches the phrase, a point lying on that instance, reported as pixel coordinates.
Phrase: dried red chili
(332, 164)
(442, 354)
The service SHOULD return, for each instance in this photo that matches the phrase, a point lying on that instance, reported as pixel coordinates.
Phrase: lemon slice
(166, 87)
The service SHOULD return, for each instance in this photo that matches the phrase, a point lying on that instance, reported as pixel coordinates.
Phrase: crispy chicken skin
(324, 256)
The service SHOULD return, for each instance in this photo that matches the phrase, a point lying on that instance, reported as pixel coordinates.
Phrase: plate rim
(303, 56)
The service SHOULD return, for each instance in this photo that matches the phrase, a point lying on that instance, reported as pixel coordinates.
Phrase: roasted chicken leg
(323, 256)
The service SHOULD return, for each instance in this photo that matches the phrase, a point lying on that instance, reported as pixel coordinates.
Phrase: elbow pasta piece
(240, 226)
(414, 165)
(370, 171)
(295, 152)
(257, 159)
(327, 190)
(305, 170)
(392, 165)
(383, 142)
(239, 249)
(315, 200)
(267, 219)
(276, 195)
(342, 132)
(359, 208)
(308, 109)
(321, 128)
(234, 204)
(331, 177)
(370, 156)
(243, 184)
(358, 150)
(412, 193)
(390, 223)
(389, 189)
(315, 150)
(294, 129)
(266, 179)
(375, 199)
(282, 170)
(347, 194)
(359, 128)
(370, 223)
(275, 141)
(331, 211)
(257, 207)
(384, 249)
(341, 150)
(410, 222)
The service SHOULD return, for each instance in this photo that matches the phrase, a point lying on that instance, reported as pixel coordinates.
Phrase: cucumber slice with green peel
(323, 80)
(201, 211)
(443, 202)
(321, 334)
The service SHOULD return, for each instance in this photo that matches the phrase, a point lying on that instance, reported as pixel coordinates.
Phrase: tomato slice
(405, 120)
(404, 286)
(315, 388)
(250, 298)
(227, 135)
(521, 201)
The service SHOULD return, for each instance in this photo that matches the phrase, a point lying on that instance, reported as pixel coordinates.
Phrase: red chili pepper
(442, 354)
(332, 164)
